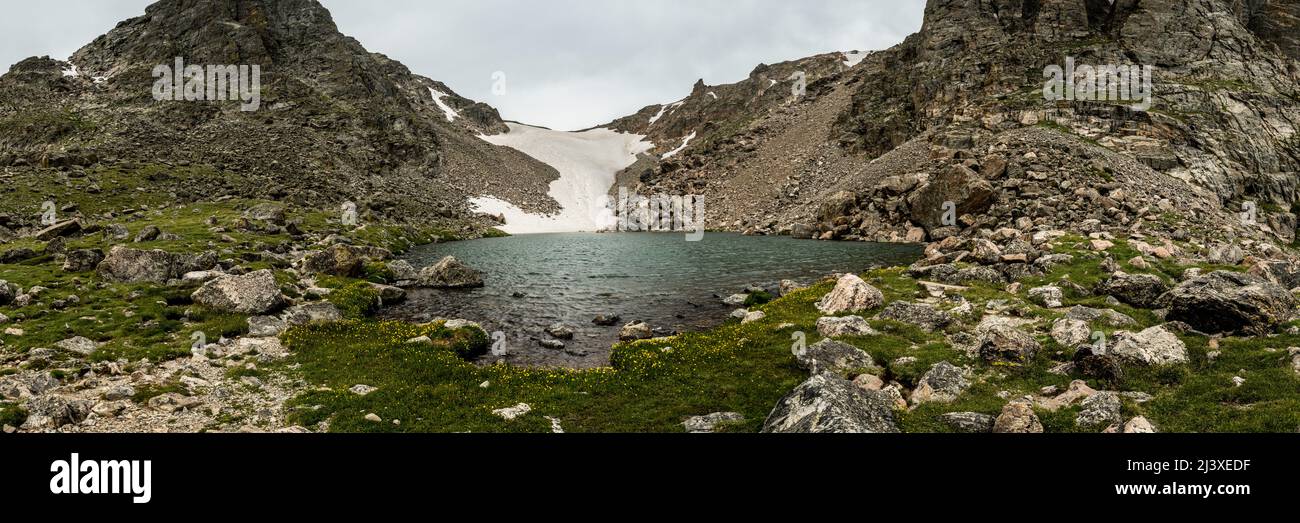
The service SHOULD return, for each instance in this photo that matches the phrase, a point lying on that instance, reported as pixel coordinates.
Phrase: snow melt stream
(587, 162)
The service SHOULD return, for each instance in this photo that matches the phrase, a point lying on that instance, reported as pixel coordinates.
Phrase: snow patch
(587, 162)
(853, 58)
(663, 109)
(685, 143)
(713, 94)
(71, 71)
(452, 115)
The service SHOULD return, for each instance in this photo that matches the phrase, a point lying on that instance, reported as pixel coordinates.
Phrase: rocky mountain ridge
(1221, 134)
(337, 123)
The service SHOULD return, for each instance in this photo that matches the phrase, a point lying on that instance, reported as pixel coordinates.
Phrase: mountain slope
(336, 122)
(966, 90)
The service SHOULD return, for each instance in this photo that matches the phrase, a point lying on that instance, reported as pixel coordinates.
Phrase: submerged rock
(450, 273)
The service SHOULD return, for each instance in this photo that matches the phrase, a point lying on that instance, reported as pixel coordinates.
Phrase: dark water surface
(536, 280)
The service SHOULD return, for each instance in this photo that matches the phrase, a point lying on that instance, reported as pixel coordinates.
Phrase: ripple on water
(657, 278)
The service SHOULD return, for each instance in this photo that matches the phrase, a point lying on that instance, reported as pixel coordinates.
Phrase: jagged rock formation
(961, 104)
(336, 122)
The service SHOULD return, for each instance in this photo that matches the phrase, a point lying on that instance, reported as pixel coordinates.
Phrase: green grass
(12, 415)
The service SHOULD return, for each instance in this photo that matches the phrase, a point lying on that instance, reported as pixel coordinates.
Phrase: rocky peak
(335, 123)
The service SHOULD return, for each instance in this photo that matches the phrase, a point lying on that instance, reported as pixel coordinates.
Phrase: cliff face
(335, 123)
(967, 89)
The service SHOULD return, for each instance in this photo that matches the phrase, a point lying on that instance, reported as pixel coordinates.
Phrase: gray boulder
(1018, 417)
(1100, 410)
(1106, 317)
(1071, 333)
(830, 356)
(8, 292)
(1048, 296)
(637, 330)
(310, 313)
(255, 293)
(127, 265)
(266, 326)
(1004, 343)
(450, 273)
(1154, 346)
(967, 190)
(78, 345)
(829, 404)
(709, 423)
(1224, 302)
(836, 326)
(943, 383)
(925, 316)
(338, 260)
(82, 260)
(267, 212)
(851, 294)
(969, 422)
(1138, 290)
(58, 230)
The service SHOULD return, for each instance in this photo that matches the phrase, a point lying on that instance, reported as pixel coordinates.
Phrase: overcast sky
(569, 64)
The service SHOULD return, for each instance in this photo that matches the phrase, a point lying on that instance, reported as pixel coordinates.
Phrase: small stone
(510, 413)
(707, 424)
(374, 418)
(362, 390)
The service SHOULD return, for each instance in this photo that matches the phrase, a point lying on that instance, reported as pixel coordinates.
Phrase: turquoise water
(533, 281)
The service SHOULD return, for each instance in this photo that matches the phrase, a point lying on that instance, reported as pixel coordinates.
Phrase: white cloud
(570, 64)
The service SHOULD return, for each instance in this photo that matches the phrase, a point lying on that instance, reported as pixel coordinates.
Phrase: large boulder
(1071, 333)
(82, 260)
(8, 292)
(851, 294)
(1007, 344)
(1154, 346)
(338, 260)
(968, 192)
(1107, 317)
(267, 212)
(637, 330)
(943, 383)
(1018, 417)
(1099, 411)
(58, 230)
(1138, 290)
(256, 293)
(830, 356)
(836, 326)
(127, 265)
(310, 313)
(829, 404)
(922, 315)
(450, 273)
(1229, 303)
